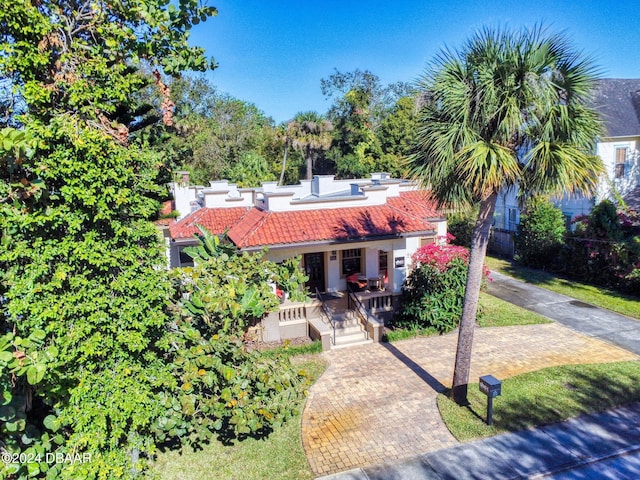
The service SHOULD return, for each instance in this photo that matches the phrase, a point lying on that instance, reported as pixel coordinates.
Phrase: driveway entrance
(377, 403)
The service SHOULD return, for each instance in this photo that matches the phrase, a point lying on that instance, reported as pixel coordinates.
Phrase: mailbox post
(491, 387)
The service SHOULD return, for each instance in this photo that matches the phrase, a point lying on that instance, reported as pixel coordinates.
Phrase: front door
(314, 269)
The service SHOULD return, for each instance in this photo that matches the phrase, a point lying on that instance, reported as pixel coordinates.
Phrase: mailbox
(490, 386)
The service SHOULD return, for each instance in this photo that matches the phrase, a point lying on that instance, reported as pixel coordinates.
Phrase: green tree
(508, 108)
(356, 145)
(249, 171)
(213, 133)
(540, 234)
(81, 261)
(310, 133)
(397, 135)
(398, 129)
(361, 106)
(375, 97)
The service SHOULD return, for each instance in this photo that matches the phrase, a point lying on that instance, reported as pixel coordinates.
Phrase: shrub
(461, 226)
(539, 238)
(433, 293)
(604, 248)
(221, 388)
(433, 298)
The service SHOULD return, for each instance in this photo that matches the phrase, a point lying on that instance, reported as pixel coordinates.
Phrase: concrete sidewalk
(596, 446)
(579, 316)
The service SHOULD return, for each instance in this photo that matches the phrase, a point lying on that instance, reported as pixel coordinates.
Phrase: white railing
(380, 302)
(289, 313)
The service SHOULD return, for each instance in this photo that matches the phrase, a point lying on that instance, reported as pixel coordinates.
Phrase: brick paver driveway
(377, 402)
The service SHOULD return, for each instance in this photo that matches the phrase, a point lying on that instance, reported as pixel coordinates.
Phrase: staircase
(349, 330)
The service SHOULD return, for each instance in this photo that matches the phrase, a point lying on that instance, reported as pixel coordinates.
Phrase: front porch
(337, 319)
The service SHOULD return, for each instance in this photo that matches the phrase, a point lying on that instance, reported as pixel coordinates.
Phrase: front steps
(349, 330)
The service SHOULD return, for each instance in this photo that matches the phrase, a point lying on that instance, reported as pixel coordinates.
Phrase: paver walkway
(377, 403)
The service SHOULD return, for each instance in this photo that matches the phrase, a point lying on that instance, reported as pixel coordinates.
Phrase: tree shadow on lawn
(575, 392)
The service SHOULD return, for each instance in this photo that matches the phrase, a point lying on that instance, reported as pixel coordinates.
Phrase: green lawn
(600, 297)
(493, 312)
(545, 396)
(277, 457)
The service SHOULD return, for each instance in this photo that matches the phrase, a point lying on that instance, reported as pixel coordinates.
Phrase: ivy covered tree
(81, 267)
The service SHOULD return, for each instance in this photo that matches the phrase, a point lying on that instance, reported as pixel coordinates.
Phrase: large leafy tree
(509, 108)
(81, 268)
(213, 134)
(360, 107)
(396, 135)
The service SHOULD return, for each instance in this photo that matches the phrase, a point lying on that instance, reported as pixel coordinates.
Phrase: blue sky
(274, 53)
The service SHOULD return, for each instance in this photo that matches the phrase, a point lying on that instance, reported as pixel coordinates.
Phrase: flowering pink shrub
(433, 293)
(441, 256)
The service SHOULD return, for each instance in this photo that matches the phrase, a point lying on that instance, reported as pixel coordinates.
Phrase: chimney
(183, 178)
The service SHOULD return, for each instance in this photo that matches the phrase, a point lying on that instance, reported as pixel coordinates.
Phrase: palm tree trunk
(284, 163)
(309, 159)
(471, 296)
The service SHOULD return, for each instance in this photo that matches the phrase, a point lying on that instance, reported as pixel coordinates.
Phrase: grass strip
(600, 297)
(545, 396)
(493, 312)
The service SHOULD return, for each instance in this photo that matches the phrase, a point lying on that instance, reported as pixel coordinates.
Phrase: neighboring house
(340, 228)
(618, 102)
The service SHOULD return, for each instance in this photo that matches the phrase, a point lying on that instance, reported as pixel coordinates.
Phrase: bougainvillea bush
(433, 293)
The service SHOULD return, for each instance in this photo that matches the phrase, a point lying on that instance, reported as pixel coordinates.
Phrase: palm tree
(284, 133)
(510, 108)
(309, 133)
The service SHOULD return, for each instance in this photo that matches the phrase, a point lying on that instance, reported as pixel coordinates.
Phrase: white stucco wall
(607, 152)
(397, 248)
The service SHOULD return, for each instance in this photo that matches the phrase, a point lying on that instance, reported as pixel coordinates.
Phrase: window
(513, 216)
(427, 241)
(185, 260)
(382, 261)
(621, 160)
(351, 261)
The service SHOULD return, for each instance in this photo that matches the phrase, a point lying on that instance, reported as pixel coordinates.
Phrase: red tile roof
(405, 214)
(417, 203)
(216, 220)
(252, 227)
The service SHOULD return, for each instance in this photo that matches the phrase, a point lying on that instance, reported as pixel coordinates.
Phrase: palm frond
(500, 95)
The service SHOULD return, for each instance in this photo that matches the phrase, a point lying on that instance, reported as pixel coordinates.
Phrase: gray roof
(618, 101)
